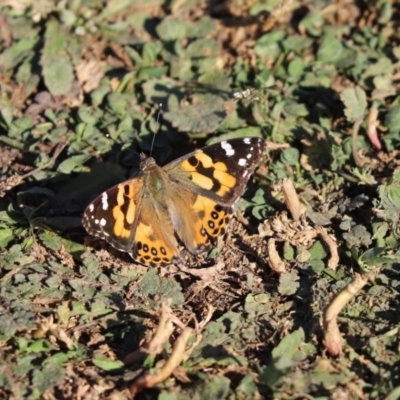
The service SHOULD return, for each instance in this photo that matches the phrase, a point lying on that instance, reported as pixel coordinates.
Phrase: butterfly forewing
(219, 171)
(112, 216)
(123, 217)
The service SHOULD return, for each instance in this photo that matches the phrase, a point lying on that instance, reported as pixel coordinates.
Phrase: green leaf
(204, 26)
(317, 251)
(47, 377)
(268, 45)
(18, 321)
(172, 395)
(6, 236)
(389, 205)
(150, 53)
(294, 347)
(254, 303)
(339, 157)
(290, 156)
(358, 235)
(212, 387)
(57, 69)
(73, 163)
(12, 56)
(373, 257)
(247, 388)
(288, 283)
(107, 364)
(113, 7)
(171, 28)
(295, 69)
(199, 117)
(41, 345)
(20, 125)
(151, 284)
(203, 48)
(59, 359)
(355, 102)
(392, 119)
(293, 110)
(330, 50)
(318, 266)
(288, 251)
(90, 261)
(51, 240)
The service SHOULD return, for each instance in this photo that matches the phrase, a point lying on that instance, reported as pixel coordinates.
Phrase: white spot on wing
(103, 222)
(91, 207)
(96, 221)
(228, 148)
(246, 140)
(104, 201)
(249, 156)
(242, 162)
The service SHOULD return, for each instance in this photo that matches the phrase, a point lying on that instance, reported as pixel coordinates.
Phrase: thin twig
(357, 159)
(177, 355)
(333, 248)
(59, 148)
(332, 338)
(275, 262)
(292, 200)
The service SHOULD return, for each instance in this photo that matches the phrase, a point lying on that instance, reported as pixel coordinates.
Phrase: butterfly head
(146, 162)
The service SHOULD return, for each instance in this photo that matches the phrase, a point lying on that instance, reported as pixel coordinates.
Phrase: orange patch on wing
(204, 159)
(121, 218)
(202, 180)
(202, 242)
(202, 203)
(143, 232)
(215, 217)
(152, 248)
(119, 223)
(130, 213)
(227, 181)
(220, 174)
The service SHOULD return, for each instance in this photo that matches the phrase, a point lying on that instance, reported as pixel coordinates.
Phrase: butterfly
(190, 200)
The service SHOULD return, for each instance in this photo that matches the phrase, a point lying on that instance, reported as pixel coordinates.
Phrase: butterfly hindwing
(154, 242)
(213, 216)
(198, 220)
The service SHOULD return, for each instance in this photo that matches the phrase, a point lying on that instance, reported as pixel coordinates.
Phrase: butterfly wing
(197, 220)
(206, 184)
(127, 218)
(219, 171)
(112, 215)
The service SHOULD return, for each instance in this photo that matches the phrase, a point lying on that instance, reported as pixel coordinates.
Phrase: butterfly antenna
(159, 127)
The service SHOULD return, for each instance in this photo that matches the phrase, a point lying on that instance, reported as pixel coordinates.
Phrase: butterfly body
(190, 198)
